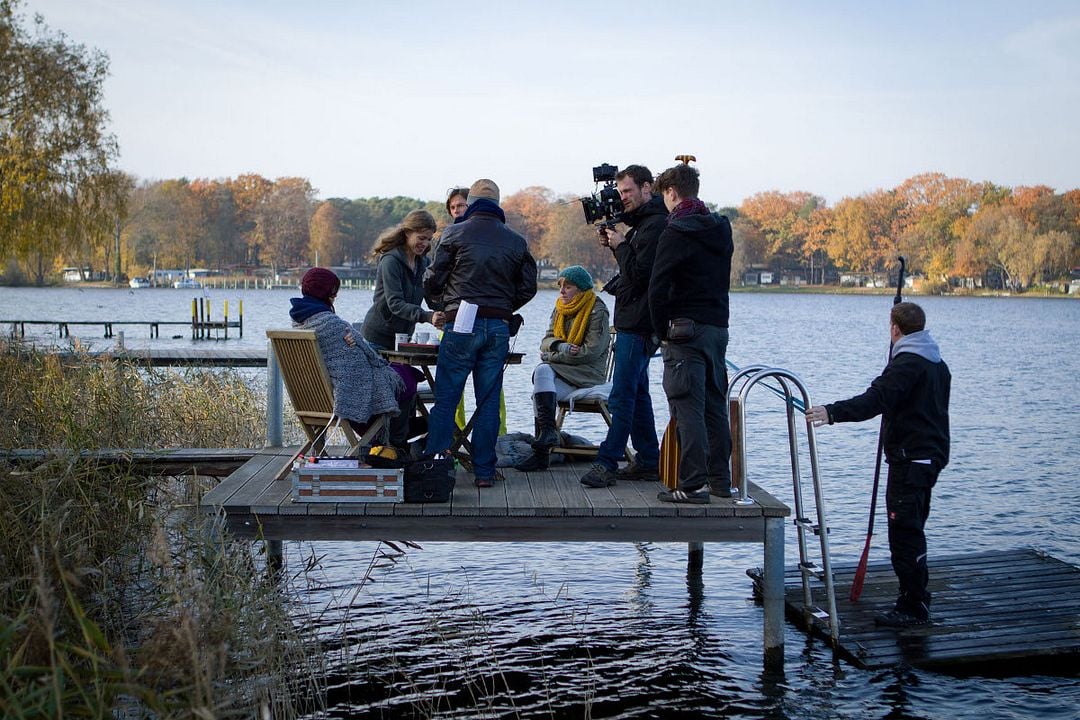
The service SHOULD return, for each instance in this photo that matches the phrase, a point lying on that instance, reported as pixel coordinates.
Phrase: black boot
(547, 436)
(537, 461)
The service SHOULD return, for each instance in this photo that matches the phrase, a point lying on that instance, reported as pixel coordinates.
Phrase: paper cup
(423, 338)
(400, 338)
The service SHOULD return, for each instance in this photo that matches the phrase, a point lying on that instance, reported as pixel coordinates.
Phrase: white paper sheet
(466, 315)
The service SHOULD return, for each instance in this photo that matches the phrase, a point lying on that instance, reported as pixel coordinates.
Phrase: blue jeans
(630, 405)
(482, 353)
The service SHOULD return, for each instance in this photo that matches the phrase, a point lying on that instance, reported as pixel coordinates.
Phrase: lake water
(620, 630)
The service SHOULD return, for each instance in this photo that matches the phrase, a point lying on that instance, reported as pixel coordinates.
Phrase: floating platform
(1009, 612)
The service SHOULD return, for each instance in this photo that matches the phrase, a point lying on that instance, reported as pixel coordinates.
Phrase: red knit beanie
(320, 283)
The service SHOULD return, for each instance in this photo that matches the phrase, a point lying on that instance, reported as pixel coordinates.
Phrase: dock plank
(546, 499)
(603, 501)
(989, 609)
(223, 492)
(466, 500)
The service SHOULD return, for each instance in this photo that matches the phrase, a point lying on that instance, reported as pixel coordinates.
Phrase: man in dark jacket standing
(688, 303)
(629, 399)
(912, 395)
(481, 261)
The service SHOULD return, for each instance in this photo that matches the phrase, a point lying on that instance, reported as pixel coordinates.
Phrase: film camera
(604, 206)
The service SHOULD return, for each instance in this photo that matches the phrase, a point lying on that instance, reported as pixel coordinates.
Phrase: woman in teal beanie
(573, 355)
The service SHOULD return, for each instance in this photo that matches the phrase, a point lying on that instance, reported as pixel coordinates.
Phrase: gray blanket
(364, 383)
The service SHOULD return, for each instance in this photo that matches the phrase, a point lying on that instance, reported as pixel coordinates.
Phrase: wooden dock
(1008, 612)
(546, 506)
(550, 505)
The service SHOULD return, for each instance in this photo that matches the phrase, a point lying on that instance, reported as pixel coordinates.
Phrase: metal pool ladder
(739, 388)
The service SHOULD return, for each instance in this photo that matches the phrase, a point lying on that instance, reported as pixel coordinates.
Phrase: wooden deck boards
(549, 505)
(1003, 610)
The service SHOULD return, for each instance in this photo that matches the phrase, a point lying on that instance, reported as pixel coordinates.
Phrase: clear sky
(410, 98)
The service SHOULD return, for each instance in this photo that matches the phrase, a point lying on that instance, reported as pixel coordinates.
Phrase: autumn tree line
(64, 203)
(948, 228)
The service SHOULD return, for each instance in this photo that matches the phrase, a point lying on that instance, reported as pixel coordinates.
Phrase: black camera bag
(429, 480)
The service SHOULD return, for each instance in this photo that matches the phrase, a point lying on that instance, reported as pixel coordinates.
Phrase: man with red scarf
(688, 303)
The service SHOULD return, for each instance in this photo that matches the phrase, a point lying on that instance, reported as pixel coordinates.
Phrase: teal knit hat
(579, 276)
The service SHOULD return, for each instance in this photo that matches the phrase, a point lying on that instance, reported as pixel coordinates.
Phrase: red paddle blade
(860, 574)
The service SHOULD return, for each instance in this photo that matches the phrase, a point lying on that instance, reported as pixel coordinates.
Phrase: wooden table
(427, 359)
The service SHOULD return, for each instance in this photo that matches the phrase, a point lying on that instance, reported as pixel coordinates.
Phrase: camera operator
(629, 400)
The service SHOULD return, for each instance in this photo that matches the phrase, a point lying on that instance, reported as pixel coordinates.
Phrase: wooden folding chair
(311, 392)
(589, 400)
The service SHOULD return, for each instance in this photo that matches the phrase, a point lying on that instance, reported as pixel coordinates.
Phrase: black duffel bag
(429, 480)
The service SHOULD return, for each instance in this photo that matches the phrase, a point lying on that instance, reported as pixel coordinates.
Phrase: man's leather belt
(484, 312)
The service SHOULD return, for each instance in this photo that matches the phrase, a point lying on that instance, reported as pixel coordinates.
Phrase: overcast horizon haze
(367, 99)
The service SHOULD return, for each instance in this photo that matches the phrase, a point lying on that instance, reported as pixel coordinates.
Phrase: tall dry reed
(75, 401)
(116, 596)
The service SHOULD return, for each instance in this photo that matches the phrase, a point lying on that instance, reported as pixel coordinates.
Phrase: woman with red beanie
(364, 383)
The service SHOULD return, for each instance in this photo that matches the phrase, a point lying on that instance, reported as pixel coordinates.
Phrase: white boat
(138, 282)
(187, 284)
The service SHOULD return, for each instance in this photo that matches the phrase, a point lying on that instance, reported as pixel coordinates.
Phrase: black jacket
(395, 307)
(912, 394)
(635, 257)
(692, 272)
(482, 261)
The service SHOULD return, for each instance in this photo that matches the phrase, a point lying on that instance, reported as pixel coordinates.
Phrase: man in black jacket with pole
(629, 400)
(912, 394)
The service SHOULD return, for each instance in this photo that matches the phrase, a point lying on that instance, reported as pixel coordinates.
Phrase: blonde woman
(573, 354)
(401, 254)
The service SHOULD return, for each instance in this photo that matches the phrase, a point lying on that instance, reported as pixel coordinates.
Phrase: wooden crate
(344, 480)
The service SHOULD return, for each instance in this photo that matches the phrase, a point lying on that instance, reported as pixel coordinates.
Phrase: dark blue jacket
(912, 394)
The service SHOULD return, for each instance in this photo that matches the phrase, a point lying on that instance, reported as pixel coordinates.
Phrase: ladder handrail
(745, 380)
(799, 405)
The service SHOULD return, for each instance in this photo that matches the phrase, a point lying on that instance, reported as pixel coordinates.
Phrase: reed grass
(116, 597)
(75, 401)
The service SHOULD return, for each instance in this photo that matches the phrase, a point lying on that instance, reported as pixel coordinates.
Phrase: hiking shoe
(692, 497)
(899, 619)
(722, 491)
(635, 472)
(599, 476)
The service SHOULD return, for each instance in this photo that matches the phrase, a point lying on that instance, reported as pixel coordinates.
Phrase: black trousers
(907, 501)
(695, 382)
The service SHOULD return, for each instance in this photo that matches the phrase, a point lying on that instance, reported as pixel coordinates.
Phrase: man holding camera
(629, 400)
(688, 301)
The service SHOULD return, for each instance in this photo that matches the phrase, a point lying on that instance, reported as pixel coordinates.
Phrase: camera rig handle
(685, 159)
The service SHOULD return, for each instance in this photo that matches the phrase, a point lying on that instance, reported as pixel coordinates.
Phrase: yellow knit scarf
(575, 314)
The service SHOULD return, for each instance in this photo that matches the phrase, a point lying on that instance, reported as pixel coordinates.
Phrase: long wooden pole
(860, 571)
